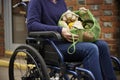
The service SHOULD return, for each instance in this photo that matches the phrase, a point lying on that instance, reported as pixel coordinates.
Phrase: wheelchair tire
(26, 63)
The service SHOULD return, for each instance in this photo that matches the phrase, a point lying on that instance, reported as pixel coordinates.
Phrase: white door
(15, 27)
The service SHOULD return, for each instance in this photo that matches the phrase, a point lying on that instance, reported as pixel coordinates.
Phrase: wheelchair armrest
(45, 34)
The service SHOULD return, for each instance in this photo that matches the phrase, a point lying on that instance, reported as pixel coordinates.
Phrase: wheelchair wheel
(115, 63)
(27, 64)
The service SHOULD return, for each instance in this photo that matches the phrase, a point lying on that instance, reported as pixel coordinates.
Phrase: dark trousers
(95, 57)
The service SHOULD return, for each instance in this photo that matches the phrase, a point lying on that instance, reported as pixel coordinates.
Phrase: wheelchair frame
(37, 67)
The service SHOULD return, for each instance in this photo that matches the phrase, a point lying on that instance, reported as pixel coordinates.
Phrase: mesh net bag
(80, 22)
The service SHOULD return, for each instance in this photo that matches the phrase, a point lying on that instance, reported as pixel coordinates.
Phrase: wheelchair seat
(41, 41)
(44, 42)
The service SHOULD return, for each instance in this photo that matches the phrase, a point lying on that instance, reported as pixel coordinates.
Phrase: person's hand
(68, 36)
(87, 36)
(83, 8)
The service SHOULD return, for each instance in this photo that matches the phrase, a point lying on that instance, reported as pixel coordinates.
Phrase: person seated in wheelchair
(44, 15)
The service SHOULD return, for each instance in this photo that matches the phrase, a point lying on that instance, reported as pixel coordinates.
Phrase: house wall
(106, 12)
(1, 30)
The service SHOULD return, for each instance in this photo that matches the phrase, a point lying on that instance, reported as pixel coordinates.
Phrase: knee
(86, 46)
(92, 49)
(101, 43)
(92, 46)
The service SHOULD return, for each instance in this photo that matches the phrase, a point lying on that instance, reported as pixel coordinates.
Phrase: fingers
(72, 38)
(82, 8)
(68, 36)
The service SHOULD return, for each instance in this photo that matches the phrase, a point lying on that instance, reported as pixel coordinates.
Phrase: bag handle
(74, 42)
(72, 46)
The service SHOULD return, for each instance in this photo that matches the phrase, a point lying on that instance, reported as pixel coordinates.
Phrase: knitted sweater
(43, 15)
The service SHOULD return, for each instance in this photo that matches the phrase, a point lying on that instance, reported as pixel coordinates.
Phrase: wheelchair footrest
(72, 66)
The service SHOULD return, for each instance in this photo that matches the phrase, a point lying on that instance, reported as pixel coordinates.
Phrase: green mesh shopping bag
(90, 26)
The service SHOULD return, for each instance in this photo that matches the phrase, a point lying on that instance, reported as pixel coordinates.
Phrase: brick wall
(107, 13)
(1, 33)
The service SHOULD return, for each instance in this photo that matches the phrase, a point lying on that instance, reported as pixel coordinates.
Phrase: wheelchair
(40, 59)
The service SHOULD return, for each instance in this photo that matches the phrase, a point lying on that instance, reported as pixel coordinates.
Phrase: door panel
(15, 27)
(19, 29)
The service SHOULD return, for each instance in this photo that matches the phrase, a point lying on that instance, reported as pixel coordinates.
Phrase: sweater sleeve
(34, 18)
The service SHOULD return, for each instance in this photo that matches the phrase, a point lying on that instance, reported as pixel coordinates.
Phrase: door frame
(9, 45)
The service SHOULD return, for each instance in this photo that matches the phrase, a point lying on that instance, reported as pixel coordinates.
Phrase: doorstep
(4, 61)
